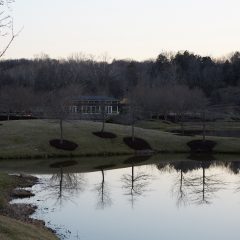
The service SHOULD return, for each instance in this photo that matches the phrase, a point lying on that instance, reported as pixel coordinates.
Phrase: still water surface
(171, 200)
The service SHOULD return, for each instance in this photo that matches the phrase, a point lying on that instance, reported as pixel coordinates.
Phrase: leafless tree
(204, 187)
(103, 192)
(7, 32)
(135, 184)
(63, 186)
(57, 104)
(135, 108)
(17, 100)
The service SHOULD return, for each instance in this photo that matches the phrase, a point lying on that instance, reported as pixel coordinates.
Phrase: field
(30, 139)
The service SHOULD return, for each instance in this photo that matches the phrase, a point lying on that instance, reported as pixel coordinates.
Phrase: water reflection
(103, 190)
(135, 184)
(179, 189)
(193, 185)
(63, 185)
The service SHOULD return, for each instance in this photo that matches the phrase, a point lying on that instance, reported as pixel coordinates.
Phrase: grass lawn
(169, 126)
(30, 139)
(13, 229)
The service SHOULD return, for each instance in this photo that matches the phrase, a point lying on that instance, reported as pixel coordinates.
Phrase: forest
(165, 80)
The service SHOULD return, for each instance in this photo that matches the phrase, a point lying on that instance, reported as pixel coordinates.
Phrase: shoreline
(22, 212)
(110, 154)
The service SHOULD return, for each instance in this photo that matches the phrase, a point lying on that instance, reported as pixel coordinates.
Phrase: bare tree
(6, 26)
(57, 105)
(204, 188)
(62, 186)
(135, 108)
(16, 101)
(135, 184)
(103, 192)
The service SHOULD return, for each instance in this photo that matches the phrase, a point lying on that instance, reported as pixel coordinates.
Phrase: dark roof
(95, 98)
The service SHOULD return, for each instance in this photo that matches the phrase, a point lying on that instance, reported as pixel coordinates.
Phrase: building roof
(95, 98)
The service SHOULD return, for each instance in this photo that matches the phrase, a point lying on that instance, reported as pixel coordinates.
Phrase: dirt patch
(25, 181)
(21, 193)
(63, 164)
(105, 135)
(201, 146)
(201, 157)
(137, 144)
(103, 167)
(64, 145)
(20, 211)
(136, 159)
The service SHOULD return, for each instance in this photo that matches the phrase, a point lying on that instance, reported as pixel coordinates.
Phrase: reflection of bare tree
(180, 189)
(63, 186)
(191, 188)
(135, 184)
(103, 193)
(204, 187)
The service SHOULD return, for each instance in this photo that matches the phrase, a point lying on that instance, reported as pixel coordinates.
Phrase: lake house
(94, 105)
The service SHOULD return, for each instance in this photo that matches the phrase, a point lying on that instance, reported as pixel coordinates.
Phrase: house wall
(94, 107)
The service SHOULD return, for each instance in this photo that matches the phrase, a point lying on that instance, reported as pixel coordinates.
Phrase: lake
(162, 197)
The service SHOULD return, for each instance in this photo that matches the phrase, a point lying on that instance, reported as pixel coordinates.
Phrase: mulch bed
(64, 145)
(63, 164)
(21, 193)
(201, 157)
(136, 159)
(105, 135)
(201, 146)
(137, 144)
(103, 167)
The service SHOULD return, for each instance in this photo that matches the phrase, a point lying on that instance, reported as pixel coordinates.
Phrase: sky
(124, 29)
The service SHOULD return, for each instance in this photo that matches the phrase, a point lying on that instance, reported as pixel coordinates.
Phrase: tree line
(218, 79)
(179, 83)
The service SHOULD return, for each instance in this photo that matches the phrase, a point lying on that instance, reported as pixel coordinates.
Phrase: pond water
(155, 199)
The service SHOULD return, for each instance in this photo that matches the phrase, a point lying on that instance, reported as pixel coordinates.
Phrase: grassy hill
(30, 139)
(11, 229)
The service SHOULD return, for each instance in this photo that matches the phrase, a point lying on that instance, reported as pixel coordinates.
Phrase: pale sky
(135, 29)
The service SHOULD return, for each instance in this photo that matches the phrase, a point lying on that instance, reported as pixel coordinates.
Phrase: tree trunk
(103, 123)
(103, 179)
(182, 124)
(204, 126)
(61, 183)
(133, 130)
(61, 131)
(133, 133)
(165, 116)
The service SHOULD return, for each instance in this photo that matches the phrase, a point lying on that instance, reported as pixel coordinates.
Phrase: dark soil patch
(137, 144)
(21, 193)
(201, 157)
(63, 164)
(201, 146)
(103, 167)
(105, 134)
(64, 145)
(25, 181)
(136, 159)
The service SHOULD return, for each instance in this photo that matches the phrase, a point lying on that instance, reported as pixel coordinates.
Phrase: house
(94, 105)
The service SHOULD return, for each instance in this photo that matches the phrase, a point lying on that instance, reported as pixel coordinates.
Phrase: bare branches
(13, 36)
(135, 184)
(7, 25)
